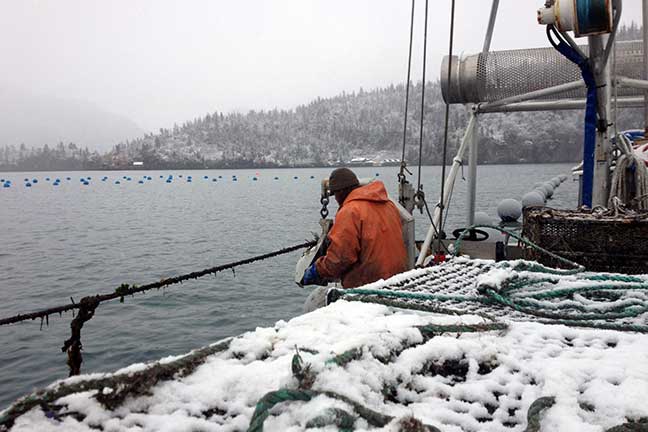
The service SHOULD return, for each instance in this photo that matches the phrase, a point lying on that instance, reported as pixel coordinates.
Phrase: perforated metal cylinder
(487, 77)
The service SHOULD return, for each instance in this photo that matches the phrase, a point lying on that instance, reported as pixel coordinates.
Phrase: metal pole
(474, 141)
(632, 83)
(558, 105)
(536, 94)
(645, 62)
(472, 171)
(448, 185)
(602, 152)
(491, 26)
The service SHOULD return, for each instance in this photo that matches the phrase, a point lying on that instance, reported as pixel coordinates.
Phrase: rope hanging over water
(125, 289)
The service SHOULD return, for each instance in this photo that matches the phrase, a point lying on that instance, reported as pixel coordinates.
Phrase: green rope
(536, 408)
(464, 233)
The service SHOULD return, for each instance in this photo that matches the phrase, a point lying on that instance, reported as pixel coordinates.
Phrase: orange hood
(374, 191)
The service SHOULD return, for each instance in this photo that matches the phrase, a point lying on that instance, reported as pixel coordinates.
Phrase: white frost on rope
(468, 382)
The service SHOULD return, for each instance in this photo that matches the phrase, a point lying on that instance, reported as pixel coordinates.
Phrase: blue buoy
(89, 178)
(276, 178)
(220, 176)
(314, 176)
(377, 174)
(180, 175)
(55, 184)
(81, 179)
(188, 180)
(295, 177)
(117, 182)
(205, 177)
(103, 179)
(26, 179)
(128, 179)
(28, 184)
(161, 176)
(58, 180)
(234, 179)
(7, 185)
(47, 179)
(85, 183)
(1, 180)
(141, 182)
(35, 181)
(213, 179)
(168, 181)
(68, 178)
(254, 179)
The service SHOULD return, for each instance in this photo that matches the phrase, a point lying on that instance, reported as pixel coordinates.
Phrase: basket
(600, 240)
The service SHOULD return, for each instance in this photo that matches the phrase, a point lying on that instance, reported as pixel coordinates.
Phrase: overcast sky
(159, 62)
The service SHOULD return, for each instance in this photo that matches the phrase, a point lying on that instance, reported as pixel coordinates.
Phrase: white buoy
(549, 189)
(509, 210)
(533, 199)
(555, 182)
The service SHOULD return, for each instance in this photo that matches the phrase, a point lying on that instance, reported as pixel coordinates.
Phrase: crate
(599, 240)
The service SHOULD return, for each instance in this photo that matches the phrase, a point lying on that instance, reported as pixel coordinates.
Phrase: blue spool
(28, 184)
(592, 17)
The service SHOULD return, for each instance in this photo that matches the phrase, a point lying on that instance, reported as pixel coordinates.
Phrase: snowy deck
(368, 366)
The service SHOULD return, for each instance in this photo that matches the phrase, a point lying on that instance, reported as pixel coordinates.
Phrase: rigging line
(125, 290)
(407, 87)
(445, 128)
(418, 188)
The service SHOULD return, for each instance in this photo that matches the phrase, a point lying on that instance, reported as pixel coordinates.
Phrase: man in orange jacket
(366, 241)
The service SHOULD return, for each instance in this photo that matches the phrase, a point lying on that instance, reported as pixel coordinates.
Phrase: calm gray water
(74, 240)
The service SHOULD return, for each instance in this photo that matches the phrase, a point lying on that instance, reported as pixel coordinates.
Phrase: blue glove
(311, 276)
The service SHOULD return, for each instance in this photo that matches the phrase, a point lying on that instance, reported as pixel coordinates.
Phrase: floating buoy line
(87, 181)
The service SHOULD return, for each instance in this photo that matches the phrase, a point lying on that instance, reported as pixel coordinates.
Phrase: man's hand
(311, 277)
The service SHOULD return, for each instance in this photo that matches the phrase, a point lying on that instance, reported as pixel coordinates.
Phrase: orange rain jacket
(366, 241)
